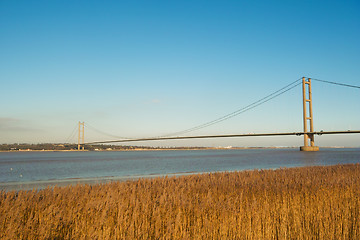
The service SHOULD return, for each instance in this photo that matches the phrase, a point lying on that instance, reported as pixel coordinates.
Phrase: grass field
(295, 203)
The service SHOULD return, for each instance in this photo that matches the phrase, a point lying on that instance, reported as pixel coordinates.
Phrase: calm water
(21, 169)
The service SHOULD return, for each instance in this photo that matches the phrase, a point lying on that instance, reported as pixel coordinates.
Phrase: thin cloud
(153, 101)
(8, 124)
(156, 101)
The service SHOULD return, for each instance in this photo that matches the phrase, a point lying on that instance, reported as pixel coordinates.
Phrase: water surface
(19, 170)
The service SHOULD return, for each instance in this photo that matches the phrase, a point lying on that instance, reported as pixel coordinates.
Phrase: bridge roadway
(225, 136)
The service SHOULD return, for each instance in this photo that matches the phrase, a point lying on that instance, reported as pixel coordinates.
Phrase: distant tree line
(62, 146)
(69, 147)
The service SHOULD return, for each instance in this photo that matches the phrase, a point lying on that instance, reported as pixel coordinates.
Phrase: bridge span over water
(308, 133)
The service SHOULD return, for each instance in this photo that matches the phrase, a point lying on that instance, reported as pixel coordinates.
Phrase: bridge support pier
(309, 143)
(309, 148)
(81, 137)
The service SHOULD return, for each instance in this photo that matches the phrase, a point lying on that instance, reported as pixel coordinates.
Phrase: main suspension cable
(104, 133)
(241, 110)
(336, 83)
(71, 135)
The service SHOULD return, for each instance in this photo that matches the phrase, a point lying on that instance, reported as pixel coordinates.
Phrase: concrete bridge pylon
(309, 141)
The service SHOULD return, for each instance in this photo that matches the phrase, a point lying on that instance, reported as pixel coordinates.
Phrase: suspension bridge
(308, 132)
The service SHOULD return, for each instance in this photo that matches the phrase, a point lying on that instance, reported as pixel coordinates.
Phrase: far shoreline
(171, 149)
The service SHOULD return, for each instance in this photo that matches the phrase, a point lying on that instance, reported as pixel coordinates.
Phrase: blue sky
(149, 68)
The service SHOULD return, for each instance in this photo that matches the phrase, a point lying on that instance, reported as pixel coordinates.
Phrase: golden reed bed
(296, 203)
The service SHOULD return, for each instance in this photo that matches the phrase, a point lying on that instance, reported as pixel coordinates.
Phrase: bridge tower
(81, 136)
(309, 143)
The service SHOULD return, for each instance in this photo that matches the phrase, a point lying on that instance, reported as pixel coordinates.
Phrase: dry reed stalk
(296, 203)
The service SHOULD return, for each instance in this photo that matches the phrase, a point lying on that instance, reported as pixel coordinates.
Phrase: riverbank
(169, 149)
(153, 149)
(295, 203)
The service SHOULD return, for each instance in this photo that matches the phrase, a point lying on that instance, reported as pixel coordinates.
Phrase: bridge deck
(225, 136)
